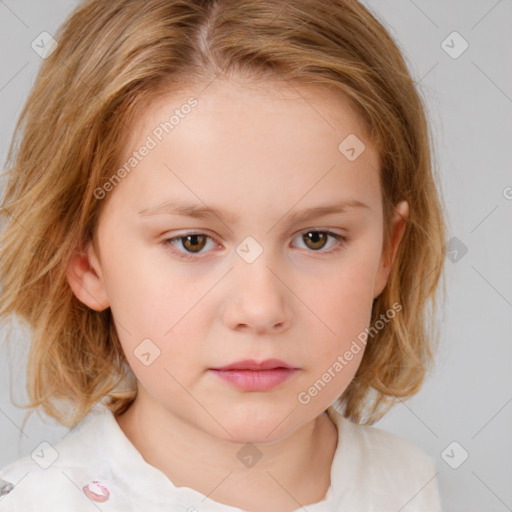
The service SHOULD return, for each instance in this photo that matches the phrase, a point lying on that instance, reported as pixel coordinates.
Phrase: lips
(251, 364)
(251, 375)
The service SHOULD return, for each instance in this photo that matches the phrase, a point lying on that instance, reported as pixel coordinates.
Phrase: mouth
(251, 364)
(250, 375)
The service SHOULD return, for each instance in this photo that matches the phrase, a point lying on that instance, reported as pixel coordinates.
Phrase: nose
(258, 299)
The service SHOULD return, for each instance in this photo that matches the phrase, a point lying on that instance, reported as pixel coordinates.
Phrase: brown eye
(194, 243)
(318, 241)
(315, 239)
(189, 245)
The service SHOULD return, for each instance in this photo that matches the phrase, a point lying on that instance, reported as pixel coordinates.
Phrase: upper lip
(251, 364)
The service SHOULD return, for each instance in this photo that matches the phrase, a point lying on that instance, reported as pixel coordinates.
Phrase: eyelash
(341, 242)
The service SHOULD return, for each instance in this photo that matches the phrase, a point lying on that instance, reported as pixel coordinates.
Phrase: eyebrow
(203, 212)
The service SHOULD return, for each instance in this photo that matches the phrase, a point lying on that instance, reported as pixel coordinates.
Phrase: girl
(222, 225)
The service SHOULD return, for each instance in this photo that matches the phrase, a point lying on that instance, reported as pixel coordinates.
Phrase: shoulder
(52, 477)
(388, 467)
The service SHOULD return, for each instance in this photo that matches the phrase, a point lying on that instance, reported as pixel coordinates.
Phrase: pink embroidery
(96, 492)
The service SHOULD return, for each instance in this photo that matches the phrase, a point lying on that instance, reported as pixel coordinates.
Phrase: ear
(86, 279)
(398, 228)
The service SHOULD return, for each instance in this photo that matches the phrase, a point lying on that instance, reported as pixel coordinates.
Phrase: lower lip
(256, 380)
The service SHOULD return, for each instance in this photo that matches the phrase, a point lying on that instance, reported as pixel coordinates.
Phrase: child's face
(260, 159)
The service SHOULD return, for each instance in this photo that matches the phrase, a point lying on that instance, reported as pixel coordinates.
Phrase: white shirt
(96, 467)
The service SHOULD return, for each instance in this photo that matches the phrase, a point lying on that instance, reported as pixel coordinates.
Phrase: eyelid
(341, 241)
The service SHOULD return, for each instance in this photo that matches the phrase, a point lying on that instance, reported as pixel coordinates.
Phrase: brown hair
(115, 57)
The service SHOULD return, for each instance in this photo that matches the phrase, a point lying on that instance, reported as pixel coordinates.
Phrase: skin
(261, 154)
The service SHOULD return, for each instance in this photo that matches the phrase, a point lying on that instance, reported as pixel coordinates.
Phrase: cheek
(140, 292)
(343, 303)
(347, 295)
(159, 317)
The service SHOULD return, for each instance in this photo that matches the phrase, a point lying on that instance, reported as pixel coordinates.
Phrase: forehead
(272, 144)
(236, 101)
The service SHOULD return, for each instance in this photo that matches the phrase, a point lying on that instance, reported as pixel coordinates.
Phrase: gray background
(467, 399)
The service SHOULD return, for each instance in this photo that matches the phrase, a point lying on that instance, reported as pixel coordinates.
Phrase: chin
(244, 434)
(258, 427)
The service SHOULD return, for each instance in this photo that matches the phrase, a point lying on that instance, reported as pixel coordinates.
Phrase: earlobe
(387, 258)
(85, 278)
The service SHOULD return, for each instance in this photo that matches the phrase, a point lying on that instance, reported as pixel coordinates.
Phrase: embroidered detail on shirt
(96, 492)
(5, 487)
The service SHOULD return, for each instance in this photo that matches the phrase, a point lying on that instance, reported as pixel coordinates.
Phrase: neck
(292, 472)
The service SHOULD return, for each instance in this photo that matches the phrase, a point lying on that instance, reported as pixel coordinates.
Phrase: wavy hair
(113, 59)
